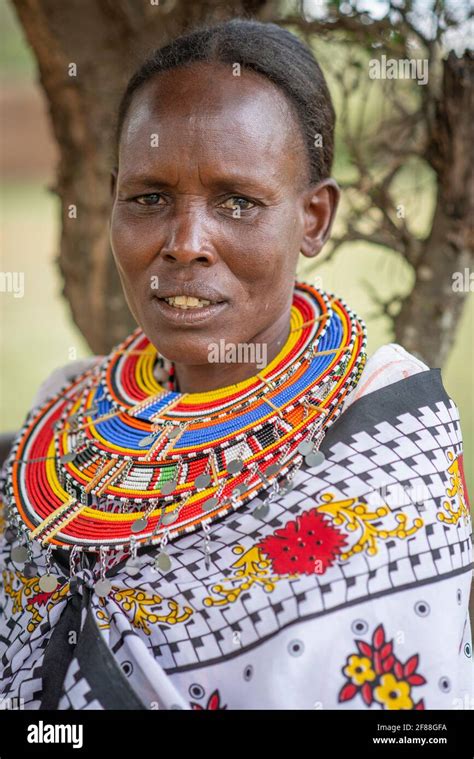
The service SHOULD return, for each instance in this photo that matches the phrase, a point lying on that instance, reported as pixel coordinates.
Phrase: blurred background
(38, 331)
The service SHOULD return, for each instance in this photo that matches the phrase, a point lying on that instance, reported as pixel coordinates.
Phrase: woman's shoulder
(389, 363)
(61, 376)
(54, 382)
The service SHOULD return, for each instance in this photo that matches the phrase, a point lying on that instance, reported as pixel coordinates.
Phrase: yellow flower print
(393, 693)
(359, 669)
(374, 672)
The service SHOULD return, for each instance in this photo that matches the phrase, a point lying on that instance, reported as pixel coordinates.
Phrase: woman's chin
(183, 347)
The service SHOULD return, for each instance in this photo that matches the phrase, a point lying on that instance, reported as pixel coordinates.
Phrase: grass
(16, 59)
(38, 334)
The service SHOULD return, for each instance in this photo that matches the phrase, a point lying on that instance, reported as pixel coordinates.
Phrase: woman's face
(211, 198)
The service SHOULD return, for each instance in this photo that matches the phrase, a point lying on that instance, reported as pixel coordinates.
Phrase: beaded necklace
(116, 460)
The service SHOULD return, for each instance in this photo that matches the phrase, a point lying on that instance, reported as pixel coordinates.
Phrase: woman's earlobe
(311, 248)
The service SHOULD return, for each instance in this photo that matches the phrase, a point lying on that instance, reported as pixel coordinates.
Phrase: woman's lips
(184, 316)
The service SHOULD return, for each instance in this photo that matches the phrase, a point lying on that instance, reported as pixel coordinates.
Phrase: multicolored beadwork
(115, 460)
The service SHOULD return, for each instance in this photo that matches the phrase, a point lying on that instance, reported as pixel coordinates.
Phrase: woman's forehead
(205, 152)
(210, 84)
(207, 103)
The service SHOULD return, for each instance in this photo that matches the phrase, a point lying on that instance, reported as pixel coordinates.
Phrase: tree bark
(426, 323)
(105, 40)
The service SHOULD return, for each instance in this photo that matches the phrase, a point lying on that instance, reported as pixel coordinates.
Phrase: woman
(235, 509)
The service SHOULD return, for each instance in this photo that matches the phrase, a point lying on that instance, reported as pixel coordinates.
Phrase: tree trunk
(104, 41)
(427, 321)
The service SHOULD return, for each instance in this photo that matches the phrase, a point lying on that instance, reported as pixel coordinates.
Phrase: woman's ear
(320, 205)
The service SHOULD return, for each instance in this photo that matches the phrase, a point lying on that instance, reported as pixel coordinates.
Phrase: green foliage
(16, 59)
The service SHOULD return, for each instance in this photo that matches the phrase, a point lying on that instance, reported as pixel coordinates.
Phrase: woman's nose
(188, 239)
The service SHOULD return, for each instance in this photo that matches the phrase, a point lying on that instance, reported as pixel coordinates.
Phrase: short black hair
(267, 49)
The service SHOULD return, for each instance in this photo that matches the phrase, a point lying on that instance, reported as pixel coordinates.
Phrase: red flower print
(307, 545)
(40, 598)
(213, 703)
(378, 676)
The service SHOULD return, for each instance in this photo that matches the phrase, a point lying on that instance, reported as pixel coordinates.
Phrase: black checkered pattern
(410, 449)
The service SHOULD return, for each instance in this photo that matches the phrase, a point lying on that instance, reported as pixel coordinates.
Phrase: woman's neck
(236, 362)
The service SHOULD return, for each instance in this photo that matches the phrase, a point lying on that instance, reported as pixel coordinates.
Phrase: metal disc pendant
(202, 481)
(235, 466)
(10, 534)
(315, 459)
(48, 583)
(19, 555)
(239, 490)
(163, 561)
(272, 469)
(170, 517)
(139, 525)
(305, 447)
(173, 433)
(148, 440)
(68, 457)
(103, 587)
(168, 487)
(211, 503)
(30, 570)
(286, 486)
(261, 511)
(132, 567)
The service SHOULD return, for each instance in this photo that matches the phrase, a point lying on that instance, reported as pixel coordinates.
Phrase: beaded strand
(117, 460)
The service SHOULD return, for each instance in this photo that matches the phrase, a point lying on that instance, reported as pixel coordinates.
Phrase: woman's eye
(236, 202)
(149, 200)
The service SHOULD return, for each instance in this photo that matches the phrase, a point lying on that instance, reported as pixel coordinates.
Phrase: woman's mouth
(184, 309)
(186, 301)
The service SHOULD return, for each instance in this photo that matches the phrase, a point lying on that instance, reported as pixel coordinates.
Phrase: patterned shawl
(352, 593)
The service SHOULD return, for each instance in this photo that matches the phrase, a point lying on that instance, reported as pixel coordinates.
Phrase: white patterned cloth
(352, 593)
